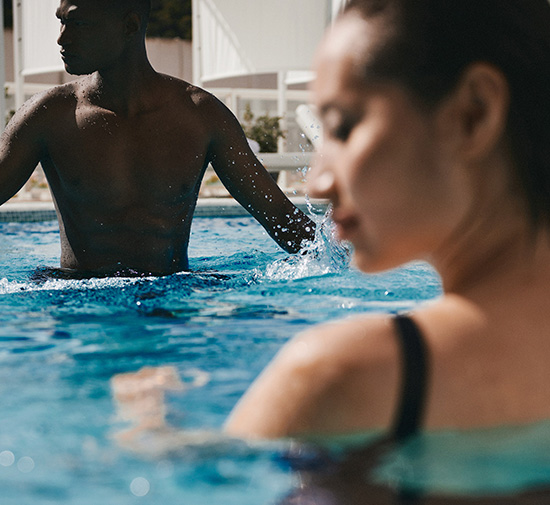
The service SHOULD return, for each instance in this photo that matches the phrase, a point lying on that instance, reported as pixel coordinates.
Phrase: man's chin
(74, 70)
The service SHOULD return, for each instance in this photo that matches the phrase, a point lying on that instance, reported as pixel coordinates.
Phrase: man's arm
(21, 148)
(250, 183)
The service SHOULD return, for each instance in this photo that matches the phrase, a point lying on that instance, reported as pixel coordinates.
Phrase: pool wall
(22, 212)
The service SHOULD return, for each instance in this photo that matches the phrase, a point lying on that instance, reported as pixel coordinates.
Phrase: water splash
(325, 255)
(8, 287)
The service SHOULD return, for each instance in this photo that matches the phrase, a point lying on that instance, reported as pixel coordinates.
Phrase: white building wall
(170, 56)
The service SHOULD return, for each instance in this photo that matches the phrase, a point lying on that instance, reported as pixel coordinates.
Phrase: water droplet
(140, 486)
(25, 464)
(7, 458)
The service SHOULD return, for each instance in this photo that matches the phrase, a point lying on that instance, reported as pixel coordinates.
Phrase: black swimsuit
(414, 379)
(346, 481)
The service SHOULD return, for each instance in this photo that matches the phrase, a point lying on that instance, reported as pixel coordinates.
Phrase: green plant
(170, 18)
(266, 130)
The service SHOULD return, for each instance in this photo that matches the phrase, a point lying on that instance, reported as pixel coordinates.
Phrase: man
(124, 150)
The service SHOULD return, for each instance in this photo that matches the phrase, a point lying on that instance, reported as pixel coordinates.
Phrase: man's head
(140, 7)
(95, 33)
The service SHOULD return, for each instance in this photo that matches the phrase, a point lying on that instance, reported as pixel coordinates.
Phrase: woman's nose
(321, 182)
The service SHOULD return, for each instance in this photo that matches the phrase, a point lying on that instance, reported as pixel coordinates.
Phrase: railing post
(18, 53)
(196, 46)
(3, 112)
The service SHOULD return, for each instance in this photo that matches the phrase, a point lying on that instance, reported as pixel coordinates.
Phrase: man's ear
(478, 107)
(132, 24)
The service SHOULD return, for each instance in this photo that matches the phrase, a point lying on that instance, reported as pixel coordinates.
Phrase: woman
(436, 146)
(436, 118)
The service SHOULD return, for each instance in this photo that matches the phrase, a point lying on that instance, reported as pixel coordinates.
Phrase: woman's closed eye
(337, 126)
(342, 131)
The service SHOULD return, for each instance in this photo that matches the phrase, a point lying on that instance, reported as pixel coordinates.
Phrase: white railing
(296, 151)
(231, 96)
(261, 101)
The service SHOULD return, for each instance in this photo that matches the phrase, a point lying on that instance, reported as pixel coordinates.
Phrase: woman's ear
(478, 107)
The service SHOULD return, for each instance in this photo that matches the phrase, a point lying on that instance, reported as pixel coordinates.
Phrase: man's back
(125, 148)
(126, 182)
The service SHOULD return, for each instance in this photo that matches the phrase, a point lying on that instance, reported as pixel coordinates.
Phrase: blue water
(61, 343)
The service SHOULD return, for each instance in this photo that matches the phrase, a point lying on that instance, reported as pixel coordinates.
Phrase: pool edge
(206, 207)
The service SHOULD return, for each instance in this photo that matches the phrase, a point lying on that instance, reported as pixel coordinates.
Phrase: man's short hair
(142, 7)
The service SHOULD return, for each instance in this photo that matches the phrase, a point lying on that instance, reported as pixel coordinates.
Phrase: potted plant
(266, 130)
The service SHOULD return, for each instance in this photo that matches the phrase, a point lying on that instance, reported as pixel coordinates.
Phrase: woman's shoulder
(338, 377)
(372, 337)
(345, 376)
(355, 366)
(346, 338)
(310, 385)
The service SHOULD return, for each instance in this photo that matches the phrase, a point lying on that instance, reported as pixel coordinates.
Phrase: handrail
(221, 93)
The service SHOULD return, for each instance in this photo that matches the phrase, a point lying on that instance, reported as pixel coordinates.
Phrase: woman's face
(384, 160)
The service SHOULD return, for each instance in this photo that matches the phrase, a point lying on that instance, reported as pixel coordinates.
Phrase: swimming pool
(61, 343)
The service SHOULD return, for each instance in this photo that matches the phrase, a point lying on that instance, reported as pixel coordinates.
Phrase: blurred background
(254, 55)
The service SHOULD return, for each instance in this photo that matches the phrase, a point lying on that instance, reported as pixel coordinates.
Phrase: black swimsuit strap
(414, 359)
(347, 477)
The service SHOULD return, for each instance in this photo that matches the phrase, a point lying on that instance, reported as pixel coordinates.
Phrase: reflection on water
(496, 466)
(65, 439)
(62, 341)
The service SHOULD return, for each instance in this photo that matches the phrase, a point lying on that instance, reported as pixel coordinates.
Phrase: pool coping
(35, 211)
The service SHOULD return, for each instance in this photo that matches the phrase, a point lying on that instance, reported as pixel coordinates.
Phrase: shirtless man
(125, 148)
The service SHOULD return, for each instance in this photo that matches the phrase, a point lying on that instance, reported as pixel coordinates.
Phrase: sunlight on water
(63, 341)
(7, 287)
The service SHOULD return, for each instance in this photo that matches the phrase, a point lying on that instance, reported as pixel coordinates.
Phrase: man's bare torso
(125, 184)
(124, 150)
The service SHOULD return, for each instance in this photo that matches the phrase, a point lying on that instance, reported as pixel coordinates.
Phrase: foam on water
(325, 255)
(8, 287)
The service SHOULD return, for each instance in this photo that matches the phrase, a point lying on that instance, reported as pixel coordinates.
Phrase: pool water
(62, 342)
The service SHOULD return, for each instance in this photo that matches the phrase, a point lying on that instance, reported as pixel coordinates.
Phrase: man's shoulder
(46, 107)
(54, 95)
(199, 97)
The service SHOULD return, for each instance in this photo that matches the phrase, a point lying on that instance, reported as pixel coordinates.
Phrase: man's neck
(126, 88)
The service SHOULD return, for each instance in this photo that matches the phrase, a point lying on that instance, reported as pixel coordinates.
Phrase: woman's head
(426, 47)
